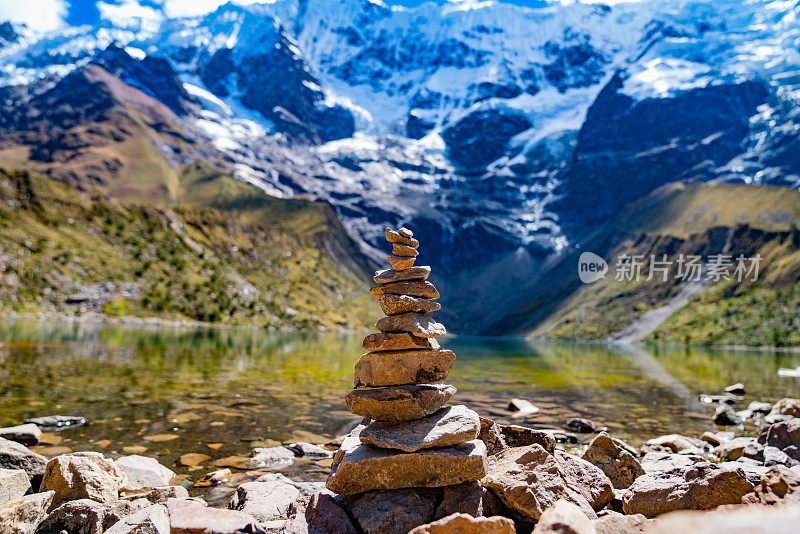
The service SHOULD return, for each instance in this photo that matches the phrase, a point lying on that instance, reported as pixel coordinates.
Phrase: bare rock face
(399, 341)
(563, 517)
(621, 524)
(153, 519)
(397, 304)
(192, 517)
(265, 500)
(399, 403)
(83, 475)
(366, 468)
(387, 512)
(529, 480)
(749, 519)
(417, 288)
(418, 324)
(449, 426)
(614, 458)
(144, 472)
(400, 367)
(27, 434)
(778, 485)
(14, 484)
(420, 272)
(466, 524)
(702, 486)
(24, 515)
(85, 516)
(14, 455)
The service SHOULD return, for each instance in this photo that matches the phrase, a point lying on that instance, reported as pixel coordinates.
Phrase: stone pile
(411, 439)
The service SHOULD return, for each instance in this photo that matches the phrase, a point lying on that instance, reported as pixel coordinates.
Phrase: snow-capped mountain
(501, 134)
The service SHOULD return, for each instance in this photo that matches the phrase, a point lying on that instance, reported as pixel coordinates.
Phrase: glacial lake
(165, 392)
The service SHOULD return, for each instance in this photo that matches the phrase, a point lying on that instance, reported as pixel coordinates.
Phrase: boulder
(674, 443)
(387, 512)
(529, 480)
(399, 403)
(14, 455)
(395, 237)
(401, 367)
(144, 472)
(702, 486)
(466, 498)
(656, 462)
(265, 500)
(466, 524)
(404, 250)
(27, 434)
(189, 516)
(733, 449)
(390, 275)
(563, 517)
(784, 434)
(400, 263)
(786, 406)
(398, 341)
(397, 304)
(621, 524)
(491, 436)
(418, 324)
(725, 416)
(24, 515)
(14, 484)
(85, 516)
(615, 459)
(740, 519)
(583, 426)
(520, 436)
(778, 485)
(153, 519)
(83, 475)
(364, 467)
(318, 513)
(449, 426)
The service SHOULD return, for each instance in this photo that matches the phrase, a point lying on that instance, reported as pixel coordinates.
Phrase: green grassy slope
(68, 253)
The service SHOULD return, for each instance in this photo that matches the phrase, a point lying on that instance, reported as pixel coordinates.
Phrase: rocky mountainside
(520, 131)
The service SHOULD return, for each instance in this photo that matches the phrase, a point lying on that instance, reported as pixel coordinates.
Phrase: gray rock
(775, 456)
(583, 426)
(725, 416)
(733, 449)
(14, 484)
(656, 462)
(157, 495)
(674, 443)
(614, 458)
(564, 517)
(27, 434)
(752, 471)
(318, 513)
(83, 475)
(759, 407)
(14, 455)
(271, 457)
(778, 485)
(522, 408)
(153, 519)
(265, 500)
(54, 423)
(144, 472)
(85, 516)
(307, 450)
(491, 436)
(190, 516)
(786, 407)
(449, 426)
(24, 515)
(735, 389)
(749, 519)
(466, 498)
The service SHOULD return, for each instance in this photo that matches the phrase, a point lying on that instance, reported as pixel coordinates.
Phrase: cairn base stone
(398, 367)
(366, 468)
(399, 403)
(449, 426)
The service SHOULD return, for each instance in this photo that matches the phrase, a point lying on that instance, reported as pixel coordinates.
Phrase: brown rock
(14, 455)
(23, 516)
(317, 514)
(264, 500)
(784, 434)
(520, 436)
(655, 462)
(614, 458)
(420, 272)
(400, 263)
(414, 323)
(413, 288)
(466, 498)
(83, 475)
(491, 436)
(151, 520)
(733, 449)
(529, 480)
(449, 426)
(739, 519)
(388, 512)
(396, 237)
(786, 406)
(398, 341)
(466, 524)
(621, 524)
(674, 443)
(702, 486)
(366, 468)
(564, 517)
(399, 403)
(396, 304)
(399, 367)
(405, 232)
(188, 516)
(778, 485)
(85, 516)
(27, 434)
(404, 251)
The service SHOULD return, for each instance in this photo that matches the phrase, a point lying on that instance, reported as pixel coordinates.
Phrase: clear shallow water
(179, 390)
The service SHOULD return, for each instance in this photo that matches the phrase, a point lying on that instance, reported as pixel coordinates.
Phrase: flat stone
(581, 425)
(85, 516)
(157, 495)
(266, 500)
(397, 304)
(736, 389)
(24, 515)
(414, 288)
(529, 480)
(466, 524)
(739, 519)
(404, 250)
(564, 517)
(144, 472)
(398, 341)
(420, 325)
(396, 237)
(420, 272)
(522, 408)
(520, 436)
(753, 471)
(759, 407)
(14, 483)
(317, 514)
(15, 455)
(655, 462)
(56, 422)
(27, 434)
(449, 426)
(733, 449)
(191, 459)
(388, 512)
(674, 443)
(702, 486)
(271, 457)
(153, 519)
(399, 367)
(400, 263)
(716, 438)
(399, 403)
(366, 468)
(83, 475)
(189, 516)
(614, 458)
(309, 450)
(621, 524)
(725, 416)
(405, 232)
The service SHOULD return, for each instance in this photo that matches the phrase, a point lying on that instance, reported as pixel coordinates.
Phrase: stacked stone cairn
(411, 439)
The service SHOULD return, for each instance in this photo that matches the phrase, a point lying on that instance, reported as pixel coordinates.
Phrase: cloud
(128, 9)
(190, 8)
(41, 15)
